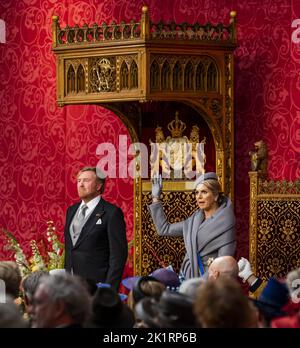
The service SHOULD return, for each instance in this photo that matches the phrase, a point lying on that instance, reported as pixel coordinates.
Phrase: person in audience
(95, 233)
(168, 277)
(164, 275)
(10, 315)
(172, 310)
(223, 266)
(256, 284)
(28, 287)
(208, 233)
(271, 301)
(292, 308)
(61, 302)
(221, 303)
(10, 274)
(273, 298)
(287, 322)
(146, 286)
(108, 311)
(190, 287)
(293, 284)
(228, 266)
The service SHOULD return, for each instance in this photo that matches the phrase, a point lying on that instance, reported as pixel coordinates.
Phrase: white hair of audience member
(71, 291)
(10, 315)
(57, 271)
(293, 280)
(190, 286)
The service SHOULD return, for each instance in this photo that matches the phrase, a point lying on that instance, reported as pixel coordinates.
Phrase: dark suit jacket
(101, 250)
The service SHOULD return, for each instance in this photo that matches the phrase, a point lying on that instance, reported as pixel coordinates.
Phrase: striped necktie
(82, 212)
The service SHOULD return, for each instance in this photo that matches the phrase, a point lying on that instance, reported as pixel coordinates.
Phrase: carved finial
(259, 157)
(194, 137)
(233, 23)
(55, 27)
(176, 127)
(145, 9)
(145, 23)
(159, 135)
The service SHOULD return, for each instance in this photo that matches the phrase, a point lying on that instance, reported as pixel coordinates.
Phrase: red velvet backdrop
(42, 146)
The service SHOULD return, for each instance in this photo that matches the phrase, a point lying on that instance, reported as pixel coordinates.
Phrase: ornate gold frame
(283, 195)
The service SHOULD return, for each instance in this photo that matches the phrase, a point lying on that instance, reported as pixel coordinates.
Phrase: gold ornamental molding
(274, 225)
(138, 60)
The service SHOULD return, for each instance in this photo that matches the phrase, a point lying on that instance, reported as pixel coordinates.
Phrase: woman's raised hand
(156, 186)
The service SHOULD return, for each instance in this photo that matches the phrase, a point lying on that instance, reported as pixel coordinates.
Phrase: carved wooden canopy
(113, 64)
(125, 66)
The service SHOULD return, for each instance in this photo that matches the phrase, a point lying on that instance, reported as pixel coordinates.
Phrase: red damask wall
(42, 146)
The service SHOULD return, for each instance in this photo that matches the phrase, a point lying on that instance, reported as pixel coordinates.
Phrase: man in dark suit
(95, 233)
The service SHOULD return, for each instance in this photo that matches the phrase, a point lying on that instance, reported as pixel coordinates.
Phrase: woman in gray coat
(208, 233)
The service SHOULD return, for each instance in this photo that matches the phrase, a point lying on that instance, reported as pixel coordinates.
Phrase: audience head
(221, 303)
(61, 301)
(190, 287)
(172, 310)
(223, 266)
(167, 277)
(10, 274)
(146, 286)
(272, 299)
(109, 311)
(293, 284)
(29, 285)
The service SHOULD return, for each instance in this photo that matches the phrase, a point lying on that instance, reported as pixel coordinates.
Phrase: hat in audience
(110, 311)
(123, 297)
(164, 275)
(137, 291)
(205, 176)
(129, 282)
(173, 310)
(273, 297)
(168, 277)
(103, 285)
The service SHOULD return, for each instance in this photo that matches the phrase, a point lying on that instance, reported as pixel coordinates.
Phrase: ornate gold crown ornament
(177, 156)
(176, 127)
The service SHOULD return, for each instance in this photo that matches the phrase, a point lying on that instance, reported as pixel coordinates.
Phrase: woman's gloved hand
(156, 186)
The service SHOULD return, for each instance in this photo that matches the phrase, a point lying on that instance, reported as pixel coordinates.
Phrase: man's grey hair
(69, 290)
(189, 287)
